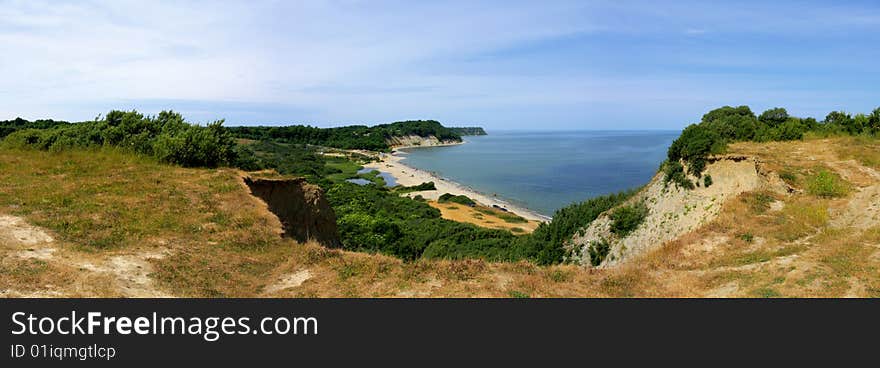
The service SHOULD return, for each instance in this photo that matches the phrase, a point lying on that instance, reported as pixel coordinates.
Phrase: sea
(545, 171)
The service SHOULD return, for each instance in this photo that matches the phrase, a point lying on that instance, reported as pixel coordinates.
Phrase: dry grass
(485, 217)
(865, 150)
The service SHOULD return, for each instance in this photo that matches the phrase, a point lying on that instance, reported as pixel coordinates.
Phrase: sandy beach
(405, 175)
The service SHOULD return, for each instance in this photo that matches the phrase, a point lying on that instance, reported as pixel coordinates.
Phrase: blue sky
(499, 64)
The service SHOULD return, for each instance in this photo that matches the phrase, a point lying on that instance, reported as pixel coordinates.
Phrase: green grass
(348, 169)
(766, 292)
(506, 216)
(518, 294)
(827, 184)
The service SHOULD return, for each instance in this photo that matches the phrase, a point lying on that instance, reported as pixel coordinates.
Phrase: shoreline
(408, 176)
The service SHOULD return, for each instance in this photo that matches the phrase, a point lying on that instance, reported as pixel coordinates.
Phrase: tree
(727, 111)
(774, 117)
(874, 121)
(838, 118)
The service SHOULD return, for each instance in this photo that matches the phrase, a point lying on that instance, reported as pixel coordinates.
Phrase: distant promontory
(463, 131)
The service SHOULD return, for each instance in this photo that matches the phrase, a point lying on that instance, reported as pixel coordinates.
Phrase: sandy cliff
(673, 211)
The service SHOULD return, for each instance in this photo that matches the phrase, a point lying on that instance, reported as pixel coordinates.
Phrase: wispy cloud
(500, 63)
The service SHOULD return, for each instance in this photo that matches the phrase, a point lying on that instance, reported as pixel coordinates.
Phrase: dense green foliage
(463, 131)
(674, 173)
(8, 127)
(374, 219)
(730, 124)
(287, 159)
(625, 219)
(544, 245)
(166, 136)
(460, 199)
(348, 137)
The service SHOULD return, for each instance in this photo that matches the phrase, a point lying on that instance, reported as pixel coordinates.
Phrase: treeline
(729, 124)
(166, 136)
(8, 127)
(463, 131)
(349, 137)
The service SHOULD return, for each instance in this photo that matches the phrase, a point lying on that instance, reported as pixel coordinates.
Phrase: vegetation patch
(674, 173)
(759, 202)
(460, 199)
(349, 137)
(626, 219)
(506, 216)
(801, 219)
(416, 188)
(598, 250)
(707, 181)
(827, 184)
(728, 124)
(167, 137)
(789, 177)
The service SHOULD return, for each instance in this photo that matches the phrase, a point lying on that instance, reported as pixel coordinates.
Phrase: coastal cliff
(301, 207)
(419, 141)
(673, 211)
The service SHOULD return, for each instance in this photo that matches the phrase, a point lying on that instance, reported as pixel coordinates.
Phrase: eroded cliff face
(301, 207)
(418, 141)
(673, 211)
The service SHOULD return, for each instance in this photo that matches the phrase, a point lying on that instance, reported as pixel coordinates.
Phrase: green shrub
(598, 250)
(627, 218)
(827, 184)
(707, 181)
(674, 173)
(416, 188)
(460, 199)
(167, 137)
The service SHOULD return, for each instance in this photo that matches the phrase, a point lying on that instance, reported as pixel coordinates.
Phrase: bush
(460, 199)
(167, 137)
(192, 145)
(694, 146)
(707, 181)
(627, 218)
(674, 173)
(417, 188)
(598, 250)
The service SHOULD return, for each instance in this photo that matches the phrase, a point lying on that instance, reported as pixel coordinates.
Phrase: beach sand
(409, 176)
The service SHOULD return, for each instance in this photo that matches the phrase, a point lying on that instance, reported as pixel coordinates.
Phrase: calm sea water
(545, 171)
